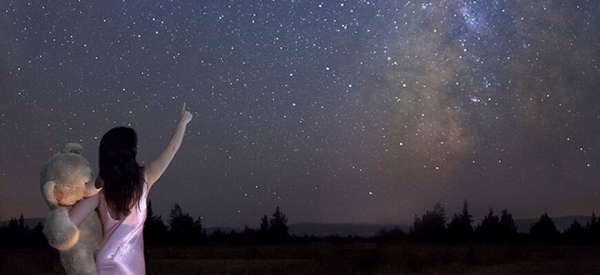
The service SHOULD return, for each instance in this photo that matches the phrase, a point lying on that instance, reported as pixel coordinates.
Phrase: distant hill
(364, 230)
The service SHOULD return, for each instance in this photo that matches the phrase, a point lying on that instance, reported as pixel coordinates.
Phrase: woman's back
(122, 250)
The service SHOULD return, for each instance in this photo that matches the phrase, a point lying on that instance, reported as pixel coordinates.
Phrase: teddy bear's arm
(83, 208)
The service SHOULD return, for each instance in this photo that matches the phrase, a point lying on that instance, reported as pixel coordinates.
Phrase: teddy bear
(65, 179)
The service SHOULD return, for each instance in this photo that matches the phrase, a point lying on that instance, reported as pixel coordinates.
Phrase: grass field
(325, 258)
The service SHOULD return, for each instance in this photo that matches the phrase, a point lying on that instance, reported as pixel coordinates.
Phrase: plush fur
(65, 179)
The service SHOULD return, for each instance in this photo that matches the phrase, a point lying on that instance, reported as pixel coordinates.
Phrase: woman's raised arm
(156, 168)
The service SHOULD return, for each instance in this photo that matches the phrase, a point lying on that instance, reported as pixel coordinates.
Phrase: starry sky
(336, 111)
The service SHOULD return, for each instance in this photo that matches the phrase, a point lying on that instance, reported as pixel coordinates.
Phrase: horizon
(476, 221)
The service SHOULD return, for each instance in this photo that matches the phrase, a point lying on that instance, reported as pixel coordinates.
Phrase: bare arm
(83, 208)
(156, 168)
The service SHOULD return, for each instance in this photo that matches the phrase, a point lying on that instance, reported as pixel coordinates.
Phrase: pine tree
(278, 228)
(575, 234)
(198, 231)
(263, 232)
(22, 222)
(489, 230)
(593, 228)
(544, 230)
(432, 226)
(508, 229)
(36, 236)
(460, 228)
(15, 233)
(264, 224)
(155, 230)
(181, 226)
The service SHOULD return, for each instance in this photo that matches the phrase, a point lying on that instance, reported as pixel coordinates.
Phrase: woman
(122, 201)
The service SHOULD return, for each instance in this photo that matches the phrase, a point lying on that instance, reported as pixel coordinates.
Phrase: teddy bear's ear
(48, 192)
(73, 148)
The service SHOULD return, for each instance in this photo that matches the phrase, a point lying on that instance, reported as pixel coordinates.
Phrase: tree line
(182, 229)
(433, 226)
(179, 229)
(16, 233)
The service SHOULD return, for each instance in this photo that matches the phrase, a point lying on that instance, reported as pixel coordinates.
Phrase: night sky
(336, 111)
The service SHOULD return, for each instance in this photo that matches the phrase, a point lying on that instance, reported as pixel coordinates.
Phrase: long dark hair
(119, 169)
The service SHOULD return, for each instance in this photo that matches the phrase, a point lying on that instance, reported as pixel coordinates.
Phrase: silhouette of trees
(593, 229)
(497, 229)
(278, 226)
(274, 229)
(432, 226)
(264, 228)
(249, 235)
(183, 229)
(155, 230)
(489, 230)
(575, 234)
(199, 234)
(17, 233)
(460, 228)
(396, 233)
(508, 229)
(544, 230)
(218, 236)
(36, 236)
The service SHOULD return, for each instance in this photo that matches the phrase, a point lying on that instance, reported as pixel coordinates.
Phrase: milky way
(336, 111)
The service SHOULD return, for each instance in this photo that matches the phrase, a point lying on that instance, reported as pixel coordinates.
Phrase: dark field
(324, 258)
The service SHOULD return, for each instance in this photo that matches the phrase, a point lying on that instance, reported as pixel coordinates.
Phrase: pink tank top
(122, 248)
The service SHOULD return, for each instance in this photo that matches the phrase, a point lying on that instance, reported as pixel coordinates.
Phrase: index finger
(183, 106)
